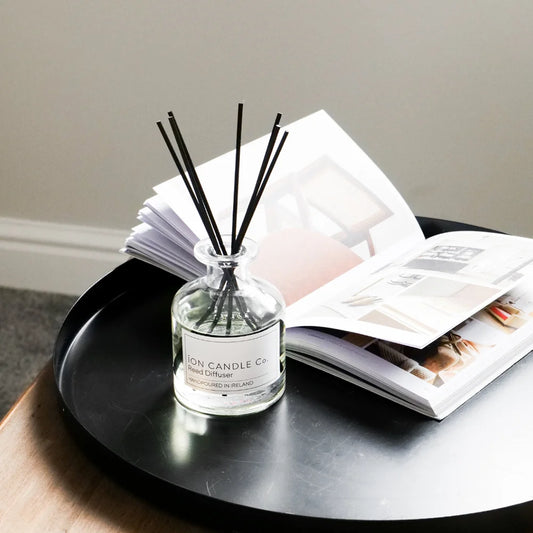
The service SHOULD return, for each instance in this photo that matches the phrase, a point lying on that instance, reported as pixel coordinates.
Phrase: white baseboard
(61, 258)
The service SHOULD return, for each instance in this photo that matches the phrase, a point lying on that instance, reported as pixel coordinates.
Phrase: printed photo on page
(415, 301)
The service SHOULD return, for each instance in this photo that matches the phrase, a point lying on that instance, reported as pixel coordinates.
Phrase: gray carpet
(29, 322)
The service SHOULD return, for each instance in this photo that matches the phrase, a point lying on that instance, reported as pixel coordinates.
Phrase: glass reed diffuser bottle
(228, 336)
(228, 333)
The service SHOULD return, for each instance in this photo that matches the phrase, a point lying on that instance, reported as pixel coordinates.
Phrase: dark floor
(29, 322)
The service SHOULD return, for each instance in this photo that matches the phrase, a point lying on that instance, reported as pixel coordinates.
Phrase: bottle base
(233, 404)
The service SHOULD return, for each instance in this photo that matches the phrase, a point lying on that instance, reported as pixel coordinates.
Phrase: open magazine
(348, 255)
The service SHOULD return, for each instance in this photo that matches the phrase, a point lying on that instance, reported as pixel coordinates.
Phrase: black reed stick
(218, 244)
(268, 152)
(178, 164)
(220, 304)
(230, 315)
(248, 213)
(236, 180)
(190, 188)
(258, 191)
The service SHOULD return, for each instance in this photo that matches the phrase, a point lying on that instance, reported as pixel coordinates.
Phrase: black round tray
(328, 455)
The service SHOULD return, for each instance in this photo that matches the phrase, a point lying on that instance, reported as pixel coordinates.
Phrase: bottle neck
(217, 275)
(224, 268)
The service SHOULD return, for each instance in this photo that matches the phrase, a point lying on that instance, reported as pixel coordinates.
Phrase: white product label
(231, 364)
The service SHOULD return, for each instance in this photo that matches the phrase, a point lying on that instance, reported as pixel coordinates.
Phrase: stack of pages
(424, 322)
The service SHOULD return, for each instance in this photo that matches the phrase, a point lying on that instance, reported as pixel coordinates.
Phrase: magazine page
(440, 377)
(326, 209)
(155, 248)
(351, 357)
(156, 209)
(419, 298)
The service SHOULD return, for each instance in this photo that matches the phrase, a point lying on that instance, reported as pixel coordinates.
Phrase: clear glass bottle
(228, 337)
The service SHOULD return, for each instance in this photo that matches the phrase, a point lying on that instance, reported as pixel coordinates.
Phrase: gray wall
(437, 93)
